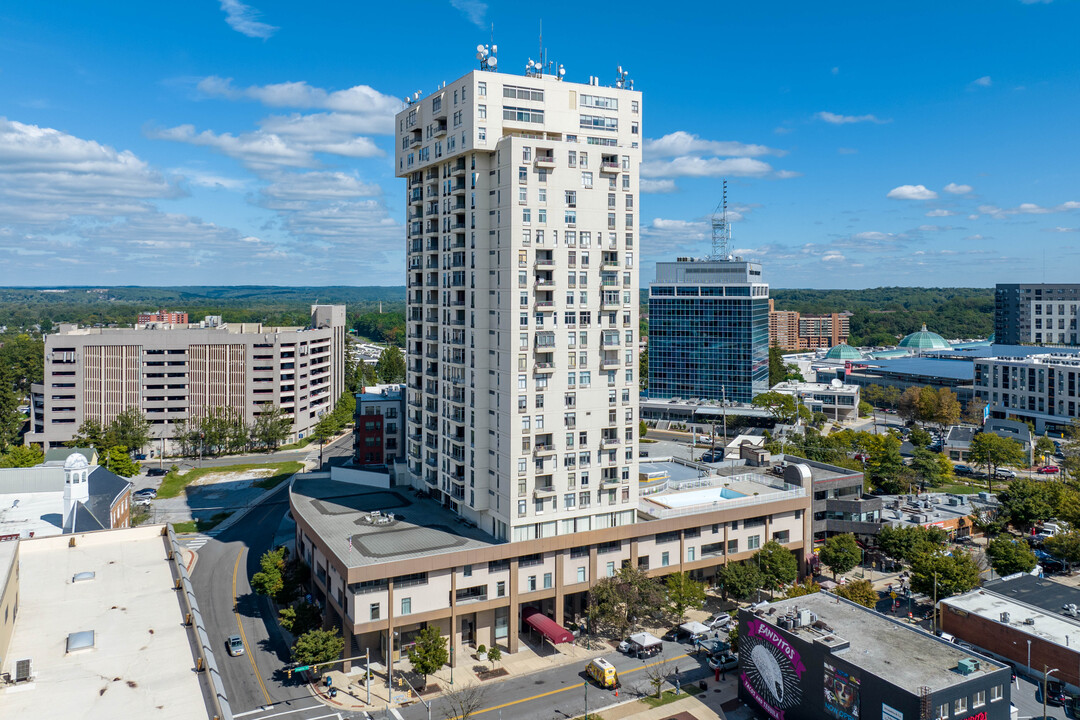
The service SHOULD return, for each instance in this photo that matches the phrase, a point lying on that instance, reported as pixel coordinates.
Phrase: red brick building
(164, 316)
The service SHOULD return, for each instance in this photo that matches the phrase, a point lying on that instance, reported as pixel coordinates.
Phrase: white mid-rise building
(522, 312)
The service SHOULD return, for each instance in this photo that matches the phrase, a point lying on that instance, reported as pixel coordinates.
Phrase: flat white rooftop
(40, 513)
(1051, 627)
(141, 664)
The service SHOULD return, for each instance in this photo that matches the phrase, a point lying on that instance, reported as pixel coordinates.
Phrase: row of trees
(226, 430)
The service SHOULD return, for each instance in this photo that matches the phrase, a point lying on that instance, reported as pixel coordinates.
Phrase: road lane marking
(289, 712)
(568, 688)
(396, 714)
(243, 636)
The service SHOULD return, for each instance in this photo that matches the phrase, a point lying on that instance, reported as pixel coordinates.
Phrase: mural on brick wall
(771, 669)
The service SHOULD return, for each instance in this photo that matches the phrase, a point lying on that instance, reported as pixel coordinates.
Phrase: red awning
(546, 626)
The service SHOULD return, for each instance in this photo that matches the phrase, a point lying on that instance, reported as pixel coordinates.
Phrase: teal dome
(924, 340)
(991, 338)
(843, 351)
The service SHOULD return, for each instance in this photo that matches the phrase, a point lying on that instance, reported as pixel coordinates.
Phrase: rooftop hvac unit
(954, 501)
(1004, 617)
(1029, 621)
(24, 670)
(967, 666)
(805, 617)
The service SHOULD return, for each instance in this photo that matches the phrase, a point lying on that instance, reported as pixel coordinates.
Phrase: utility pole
(367, 673)
(934, 608)
(1046, 676)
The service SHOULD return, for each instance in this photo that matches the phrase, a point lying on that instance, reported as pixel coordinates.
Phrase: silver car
(235, 645)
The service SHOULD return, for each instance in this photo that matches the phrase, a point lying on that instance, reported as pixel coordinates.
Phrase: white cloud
(244, 19)
(200, 178)
(705, 167)
(836, 119)
(873, 235)
(474, 10)
(1061, 230)
(357, 100)
(940, 213)
(258, 150)
(658, 186)
(683, 143)
(958, 189)
(832, 256)
(846, 151)
(1028, 209)
(48, 177)
(984, 81)
(912, 192)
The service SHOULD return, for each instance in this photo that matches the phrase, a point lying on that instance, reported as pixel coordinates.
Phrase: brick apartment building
(791, 330)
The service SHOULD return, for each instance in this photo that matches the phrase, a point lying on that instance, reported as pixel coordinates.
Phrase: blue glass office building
(708, 330)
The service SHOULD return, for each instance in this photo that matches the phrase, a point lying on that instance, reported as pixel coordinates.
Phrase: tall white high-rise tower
(522, 249)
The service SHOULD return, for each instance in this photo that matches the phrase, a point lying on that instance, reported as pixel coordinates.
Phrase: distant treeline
(25, 308)
(881, 315)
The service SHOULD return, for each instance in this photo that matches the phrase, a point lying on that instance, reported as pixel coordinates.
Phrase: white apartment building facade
(172, 373)
(1041, 389)
(522, 315)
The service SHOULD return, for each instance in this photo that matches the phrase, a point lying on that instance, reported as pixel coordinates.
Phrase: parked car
(144, 494)
(710, 457)
(726, 661)
(1004, 473)
(1049, 470)
(1055, 693)
(235, 645)
(156, 472)
(963, 470)
(719, 621)
(643, 453)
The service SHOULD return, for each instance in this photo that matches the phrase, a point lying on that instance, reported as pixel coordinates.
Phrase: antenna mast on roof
(721, 230)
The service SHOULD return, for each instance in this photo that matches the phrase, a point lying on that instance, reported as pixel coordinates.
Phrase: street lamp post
(1029, 657)
(1046, 676)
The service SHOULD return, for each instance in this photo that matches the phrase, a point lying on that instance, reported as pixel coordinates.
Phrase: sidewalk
(353, 694)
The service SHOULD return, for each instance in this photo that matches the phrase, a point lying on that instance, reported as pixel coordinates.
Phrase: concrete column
(633, 552)
(682, 551)
(560, 555)
(455, 641)
(592, 566)
(346, 633)
(514, 615)
(390, 621)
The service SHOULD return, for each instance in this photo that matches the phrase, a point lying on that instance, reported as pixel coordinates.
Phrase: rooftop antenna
(486, 55)
(721, 230)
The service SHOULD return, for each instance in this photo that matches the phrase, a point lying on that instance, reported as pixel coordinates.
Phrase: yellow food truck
(603, 673)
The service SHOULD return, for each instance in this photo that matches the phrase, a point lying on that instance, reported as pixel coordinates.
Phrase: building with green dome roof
(924, 340)
(843, 351)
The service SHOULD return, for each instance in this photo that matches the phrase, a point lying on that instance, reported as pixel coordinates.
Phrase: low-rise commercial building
(97, 631)
(903, 372)
(164, 317)
(821, 656)
(957, 443)
(1029, 621)
(840, 505)
(181, 373)
(837, 400)
(384, 561)
(952, 513)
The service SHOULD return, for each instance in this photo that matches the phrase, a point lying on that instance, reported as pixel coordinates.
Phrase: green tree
(391, 365)
(920, 438)
(1065, 546)
(908, 404)
(643, 370)
(118, 461)
(778, 565)
(90, 434)
(617, 602)
(272, 427)
(270, 579)
(683, 593)
(806, 587)
(317, 647)
(781, 406)
(1008, 555)
(131, 429)
(865, 408)
(429, 653)
(11, 420)
(910, 541)
(300, 618)
(932, 467)
(859, 591)
(23, 356)
(1044, 446)
(884, 464)
(740, 580)
(1026, 502)
(946, 409)
(992, 452)
(494, 655)
(840, 553)
(953, 574)
(22, 456)
(643, 429)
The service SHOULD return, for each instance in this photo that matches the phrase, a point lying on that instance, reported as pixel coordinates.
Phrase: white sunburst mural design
(771, 669)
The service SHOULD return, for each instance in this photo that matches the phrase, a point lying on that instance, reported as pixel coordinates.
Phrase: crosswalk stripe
(396, 714)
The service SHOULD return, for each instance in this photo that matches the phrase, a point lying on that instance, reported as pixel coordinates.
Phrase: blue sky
(228, 142)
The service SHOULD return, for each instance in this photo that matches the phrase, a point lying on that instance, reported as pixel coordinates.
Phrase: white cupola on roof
(76, 483)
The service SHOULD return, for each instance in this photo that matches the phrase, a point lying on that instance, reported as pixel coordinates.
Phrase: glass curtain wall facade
(708, 331)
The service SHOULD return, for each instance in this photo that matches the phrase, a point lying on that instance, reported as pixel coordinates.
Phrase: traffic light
(288, 673)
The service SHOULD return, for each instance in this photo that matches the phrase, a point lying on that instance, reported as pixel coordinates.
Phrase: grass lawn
(191, 526)
(669, 696)
(296, 445)
(175, 483)
(962, 489)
